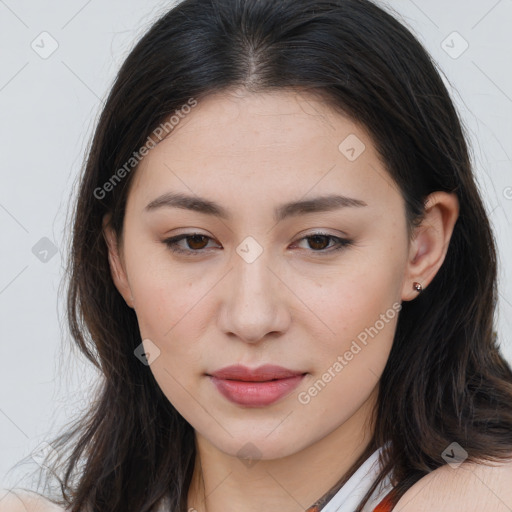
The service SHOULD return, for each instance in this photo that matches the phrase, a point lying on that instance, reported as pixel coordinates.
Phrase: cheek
(173, 321)
(353, 352)
(361, 332)
(169, 312)
(167, 294)
(174, 310)
(352, 300)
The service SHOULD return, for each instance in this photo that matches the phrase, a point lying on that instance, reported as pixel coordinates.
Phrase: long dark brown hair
(445, 380)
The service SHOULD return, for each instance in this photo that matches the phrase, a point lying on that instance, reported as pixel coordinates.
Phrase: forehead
(275, 121)
(263, 143)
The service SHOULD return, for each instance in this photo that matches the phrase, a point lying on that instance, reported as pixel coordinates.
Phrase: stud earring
(417, 286)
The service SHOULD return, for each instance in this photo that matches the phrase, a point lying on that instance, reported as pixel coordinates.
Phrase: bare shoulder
(472, 487)
(16, 500)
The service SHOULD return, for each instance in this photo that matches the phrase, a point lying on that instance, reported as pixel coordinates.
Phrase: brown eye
(195, 243)
(319, 242)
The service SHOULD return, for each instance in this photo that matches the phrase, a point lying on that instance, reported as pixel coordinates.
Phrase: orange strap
(386, 504)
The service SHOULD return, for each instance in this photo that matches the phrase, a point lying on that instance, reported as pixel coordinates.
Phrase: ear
(430, 241)
(117, 267)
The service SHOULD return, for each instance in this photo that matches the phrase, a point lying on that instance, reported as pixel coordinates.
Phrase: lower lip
(256, 394)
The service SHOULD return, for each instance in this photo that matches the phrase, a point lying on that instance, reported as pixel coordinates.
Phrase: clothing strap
(353, 490)
(386, 504)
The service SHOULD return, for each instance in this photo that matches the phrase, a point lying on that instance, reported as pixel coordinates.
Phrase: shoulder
(472, 487)
(23, 501)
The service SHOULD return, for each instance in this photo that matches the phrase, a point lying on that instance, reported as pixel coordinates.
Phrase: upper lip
(262, 373)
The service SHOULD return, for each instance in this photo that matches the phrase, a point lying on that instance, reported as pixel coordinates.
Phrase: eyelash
(171, 243)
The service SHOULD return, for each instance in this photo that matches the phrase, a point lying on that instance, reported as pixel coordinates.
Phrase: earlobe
(430, 242)
(117, 270)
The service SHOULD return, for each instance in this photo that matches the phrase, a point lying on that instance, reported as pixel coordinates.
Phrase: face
(245, 280)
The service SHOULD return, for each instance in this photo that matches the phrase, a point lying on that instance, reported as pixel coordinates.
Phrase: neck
(223, 482)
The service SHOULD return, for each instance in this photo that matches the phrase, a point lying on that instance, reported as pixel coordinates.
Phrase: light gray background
(48, 109)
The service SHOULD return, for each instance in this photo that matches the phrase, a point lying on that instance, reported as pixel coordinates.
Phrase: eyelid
(325, 232)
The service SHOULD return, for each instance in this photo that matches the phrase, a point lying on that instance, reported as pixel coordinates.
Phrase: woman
(283, 268)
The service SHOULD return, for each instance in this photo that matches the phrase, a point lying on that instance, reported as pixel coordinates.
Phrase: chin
(260, 446)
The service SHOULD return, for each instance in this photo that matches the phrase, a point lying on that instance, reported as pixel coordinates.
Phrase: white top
(349, 496)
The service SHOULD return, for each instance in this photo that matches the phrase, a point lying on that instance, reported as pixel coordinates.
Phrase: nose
(254, 304)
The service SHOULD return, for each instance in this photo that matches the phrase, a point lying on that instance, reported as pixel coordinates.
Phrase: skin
(291, 306)
(472, 487)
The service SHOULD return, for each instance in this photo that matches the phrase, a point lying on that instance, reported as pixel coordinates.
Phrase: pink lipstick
(255, 387)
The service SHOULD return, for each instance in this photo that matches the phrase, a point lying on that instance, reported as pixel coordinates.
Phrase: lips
(263, 373)
(255, 387)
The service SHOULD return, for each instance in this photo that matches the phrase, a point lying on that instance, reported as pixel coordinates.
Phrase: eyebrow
(198, 204)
